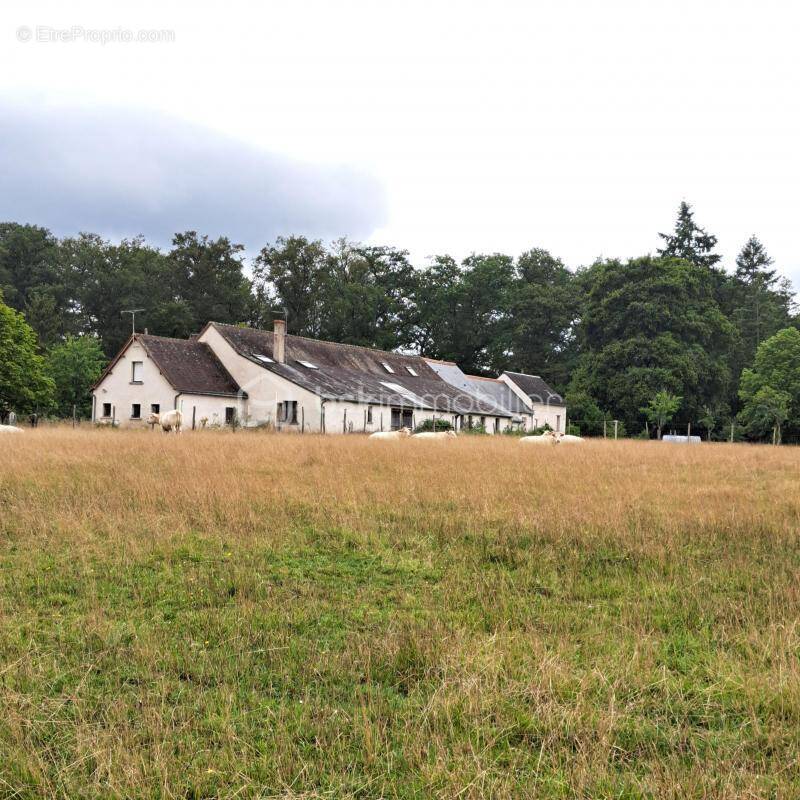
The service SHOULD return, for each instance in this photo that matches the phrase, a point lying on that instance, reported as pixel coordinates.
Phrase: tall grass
(254, 615)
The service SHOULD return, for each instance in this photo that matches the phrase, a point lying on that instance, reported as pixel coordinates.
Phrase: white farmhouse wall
(264, 389)
(540, 413)
(118, 389)
(209, 406)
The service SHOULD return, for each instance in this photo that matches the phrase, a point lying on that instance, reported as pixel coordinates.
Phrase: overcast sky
(439, 127)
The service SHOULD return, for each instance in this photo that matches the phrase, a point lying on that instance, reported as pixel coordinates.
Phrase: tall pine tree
(689, 241)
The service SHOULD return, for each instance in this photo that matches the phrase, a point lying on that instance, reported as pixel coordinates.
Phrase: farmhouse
(232, 374)
(527, 399)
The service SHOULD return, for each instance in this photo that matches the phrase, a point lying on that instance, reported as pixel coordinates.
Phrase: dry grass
(249, 615)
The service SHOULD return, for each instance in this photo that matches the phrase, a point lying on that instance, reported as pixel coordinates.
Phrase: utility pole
(132, 312)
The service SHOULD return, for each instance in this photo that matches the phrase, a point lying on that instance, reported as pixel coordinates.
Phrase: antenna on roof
(132, 312)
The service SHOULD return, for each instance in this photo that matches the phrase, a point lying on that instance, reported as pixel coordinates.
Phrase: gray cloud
(121, 173)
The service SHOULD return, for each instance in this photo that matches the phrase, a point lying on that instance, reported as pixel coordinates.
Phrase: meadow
(244, 615)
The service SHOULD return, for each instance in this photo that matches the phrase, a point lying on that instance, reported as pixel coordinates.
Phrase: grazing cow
(391, 435)
(170, 421)
(435, 435)
(10, 429)
(568, 438)
(548, 437)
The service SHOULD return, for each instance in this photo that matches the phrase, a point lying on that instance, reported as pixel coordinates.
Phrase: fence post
(616, 424)
(344, 422)
(689, 431)
(604, 428)
(732, 424)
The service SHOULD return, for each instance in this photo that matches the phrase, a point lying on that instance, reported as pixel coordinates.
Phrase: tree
(648, 325)
(208, 279)
(74, 365)
(32, 279)
(463, 311)
(776, 366)
(661, 409)
(369, 296)
(765, 410)
(544, 306)
(292, 274)
(711, 416)
(689, 241)
(24, 384)
(759, 301)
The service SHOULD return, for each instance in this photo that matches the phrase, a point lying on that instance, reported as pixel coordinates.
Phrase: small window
(106, 409)
(136, 411)
(369, 415)
(412, 371)
(291, 412)
(230, 415)
(387, 367)
(136, 372)
(263, 359)
(307, 364)
(155, 408)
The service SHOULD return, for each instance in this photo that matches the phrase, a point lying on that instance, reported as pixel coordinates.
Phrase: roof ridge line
(323, 341)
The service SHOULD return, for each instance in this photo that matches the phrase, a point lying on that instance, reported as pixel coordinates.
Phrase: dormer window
(387, 367)
(412, 371)
(263, 359)
(136, 371)
(307, 364)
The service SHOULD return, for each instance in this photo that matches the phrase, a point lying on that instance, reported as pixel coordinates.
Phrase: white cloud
(577, 126)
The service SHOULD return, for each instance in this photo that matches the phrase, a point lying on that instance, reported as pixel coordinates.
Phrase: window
(387, 367)
(402, 418)
(106, 409)
(263, 359)
(230, 415)
(136, 372)
(287, 412)
(307, 364)
(155, 408)
(369, 415)
(558, 423)
(412, 371)
(136, 411)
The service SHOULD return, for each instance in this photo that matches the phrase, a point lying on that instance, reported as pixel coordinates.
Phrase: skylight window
(263, 359)
(403, 392)
(412, 371)
(307, 364)
(387, 367)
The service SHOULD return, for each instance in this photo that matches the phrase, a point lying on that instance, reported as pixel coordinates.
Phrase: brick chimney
(279, 340)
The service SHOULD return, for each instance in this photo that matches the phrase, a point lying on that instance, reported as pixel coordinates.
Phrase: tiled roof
(352, 372)
(189, 366)
(535, 388)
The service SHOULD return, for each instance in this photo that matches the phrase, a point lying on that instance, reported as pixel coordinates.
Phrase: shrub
(428, 425)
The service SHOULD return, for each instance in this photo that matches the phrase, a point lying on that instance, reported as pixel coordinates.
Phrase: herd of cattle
(548, 437)
(172, 422)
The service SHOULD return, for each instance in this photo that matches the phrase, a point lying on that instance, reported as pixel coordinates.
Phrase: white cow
(435, 435)
(10, 429)
(170, 421)
(568, 438)
(391, 435)
(548, 438)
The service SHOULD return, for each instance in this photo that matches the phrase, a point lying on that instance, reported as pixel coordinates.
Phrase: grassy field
(251, 615)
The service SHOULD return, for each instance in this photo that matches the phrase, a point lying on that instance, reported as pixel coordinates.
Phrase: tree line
(665, 337)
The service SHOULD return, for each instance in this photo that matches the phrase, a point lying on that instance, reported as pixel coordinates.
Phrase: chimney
(279, 340)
